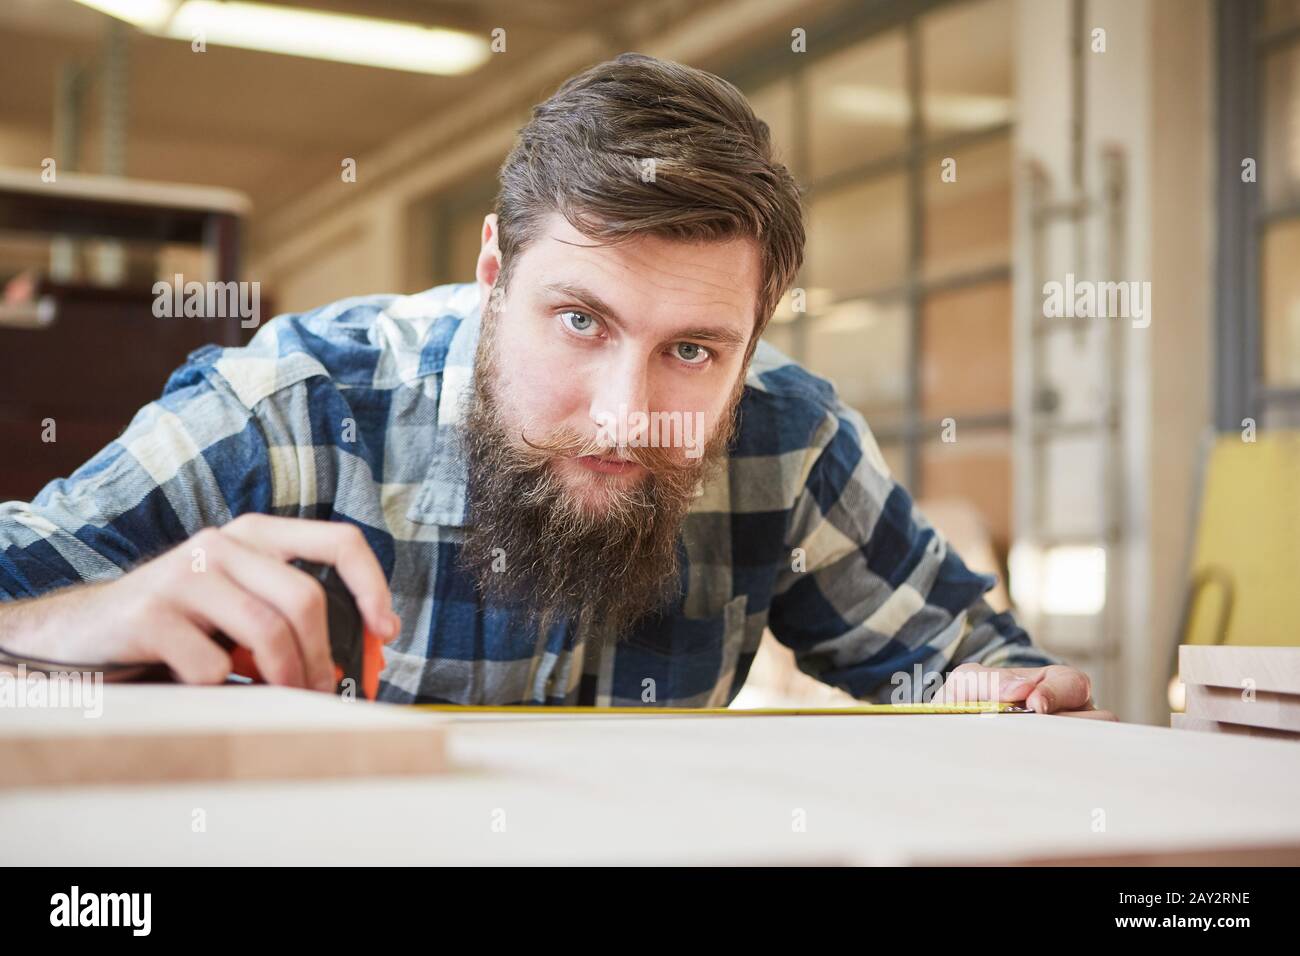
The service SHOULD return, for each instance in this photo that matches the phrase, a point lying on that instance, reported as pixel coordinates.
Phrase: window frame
(1242, 48)
(915, 160)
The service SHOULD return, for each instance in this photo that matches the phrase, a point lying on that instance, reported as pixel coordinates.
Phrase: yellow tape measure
(977, 707)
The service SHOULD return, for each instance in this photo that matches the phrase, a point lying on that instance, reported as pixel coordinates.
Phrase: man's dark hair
(585, 154)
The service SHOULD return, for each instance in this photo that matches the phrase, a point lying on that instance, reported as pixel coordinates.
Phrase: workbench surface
(718, 789)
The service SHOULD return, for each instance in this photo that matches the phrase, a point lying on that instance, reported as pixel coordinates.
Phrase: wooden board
(720, 790)
(1229, 704)
(1275, 669)
(1206, 725)
(152, 733)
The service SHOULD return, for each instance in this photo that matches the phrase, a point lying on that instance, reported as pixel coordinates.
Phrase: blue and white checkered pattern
(350, 412)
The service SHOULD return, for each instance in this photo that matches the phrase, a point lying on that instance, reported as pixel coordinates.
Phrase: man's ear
(489, 258)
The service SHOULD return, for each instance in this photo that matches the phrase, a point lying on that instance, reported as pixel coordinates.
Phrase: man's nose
(620, 402)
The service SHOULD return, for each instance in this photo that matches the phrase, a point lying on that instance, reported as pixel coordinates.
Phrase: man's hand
(234, 579)
(1054, 689)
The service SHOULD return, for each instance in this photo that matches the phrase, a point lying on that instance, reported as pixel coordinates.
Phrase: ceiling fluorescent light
(329, 36)
(150, 15)
(889, 106)
(966, 111)
(342, 38)
(874, 104)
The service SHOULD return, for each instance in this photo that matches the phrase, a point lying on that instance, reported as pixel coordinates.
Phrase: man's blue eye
(691, 353)
(579, 322)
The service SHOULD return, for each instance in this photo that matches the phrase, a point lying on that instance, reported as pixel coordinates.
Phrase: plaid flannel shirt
(350, 412)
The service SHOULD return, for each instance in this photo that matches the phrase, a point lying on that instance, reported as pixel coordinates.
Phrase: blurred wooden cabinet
(86, 357)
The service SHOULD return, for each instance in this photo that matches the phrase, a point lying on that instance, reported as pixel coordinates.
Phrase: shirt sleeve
(874, 600)
(193, 458)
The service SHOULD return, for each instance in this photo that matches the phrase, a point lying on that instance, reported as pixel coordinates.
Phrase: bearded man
(580, 479)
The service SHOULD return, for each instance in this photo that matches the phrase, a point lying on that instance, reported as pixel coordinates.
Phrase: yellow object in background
(1246, 565)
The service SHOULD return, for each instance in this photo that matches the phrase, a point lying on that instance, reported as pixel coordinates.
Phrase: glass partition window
(1279, 219)
(901, 138)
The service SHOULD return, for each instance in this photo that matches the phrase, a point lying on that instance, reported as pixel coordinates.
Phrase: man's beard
(534, 546)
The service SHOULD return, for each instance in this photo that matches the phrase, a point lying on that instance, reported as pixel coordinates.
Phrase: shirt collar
(442, 498)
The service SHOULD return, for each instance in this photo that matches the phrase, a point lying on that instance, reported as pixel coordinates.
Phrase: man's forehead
(720, 275)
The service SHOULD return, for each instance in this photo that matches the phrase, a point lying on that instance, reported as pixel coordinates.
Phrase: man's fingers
(326, 542)
(214, 601)
(1062, 688)
(192, 655)
(298, 597)
(969, 683)
(1017, 683)
(1051, 689)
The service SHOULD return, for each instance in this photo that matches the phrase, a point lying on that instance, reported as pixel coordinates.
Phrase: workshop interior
(1051, 260)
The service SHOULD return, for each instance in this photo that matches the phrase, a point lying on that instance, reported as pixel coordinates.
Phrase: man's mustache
(569, 443)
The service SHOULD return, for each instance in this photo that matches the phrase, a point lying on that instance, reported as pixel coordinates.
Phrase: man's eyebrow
(720, 335)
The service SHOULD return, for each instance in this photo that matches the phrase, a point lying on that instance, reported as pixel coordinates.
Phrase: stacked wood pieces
(1240, 690)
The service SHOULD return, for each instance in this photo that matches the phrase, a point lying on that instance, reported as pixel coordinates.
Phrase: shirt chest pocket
(686, 662)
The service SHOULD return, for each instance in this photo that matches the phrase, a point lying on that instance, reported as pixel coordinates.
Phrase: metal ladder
(1038, 413)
